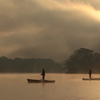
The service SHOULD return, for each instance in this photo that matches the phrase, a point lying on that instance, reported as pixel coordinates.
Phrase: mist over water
(66, 87)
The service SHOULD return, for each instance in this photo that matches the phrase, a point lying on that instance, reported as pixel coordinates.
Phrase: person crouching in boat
(90, 72)
(43, 74)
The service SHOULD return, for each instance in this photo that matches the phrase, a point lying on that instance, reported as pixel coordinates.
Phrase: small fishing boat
(91, 79)
(40, 81)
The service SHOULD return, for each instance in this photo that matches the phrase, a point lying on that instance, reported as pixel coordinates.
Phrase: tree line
(79, 62)
(28, 65)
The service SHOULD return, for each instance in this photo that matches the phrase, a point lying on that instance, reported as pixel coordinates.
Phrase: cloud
(48, 28)
(93, 3)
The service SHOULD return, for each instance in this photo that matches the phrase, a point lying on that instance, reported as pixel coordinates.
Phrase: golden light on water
(66, 86)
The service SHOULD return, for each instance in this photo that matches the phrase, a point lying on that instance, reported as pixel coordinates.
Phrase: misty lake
(66, 87)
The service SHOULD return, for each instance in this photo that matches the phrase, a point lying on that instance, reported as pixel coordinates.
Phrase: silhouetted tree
(80, 61)
(96, 65)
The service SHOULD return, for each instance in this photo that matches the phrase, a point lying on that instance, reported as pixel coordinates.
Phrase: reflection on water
(66, 87)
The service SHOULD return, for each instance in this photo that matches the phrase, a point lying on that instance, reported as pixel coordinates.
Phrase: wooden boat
(91, 79)
(40, 81)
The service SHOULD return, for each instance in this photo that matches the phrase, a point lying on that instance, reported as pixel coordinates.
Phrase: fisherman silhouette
(43, 74)
(90, 72)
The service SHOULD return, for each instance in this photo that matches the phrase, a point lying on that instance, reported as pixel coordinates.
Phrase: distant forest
(82, 60)
(29, 65)
(79, 62)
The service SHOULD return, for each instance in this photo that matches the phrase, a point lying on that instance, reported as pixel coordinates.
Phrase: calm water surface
(66, 87)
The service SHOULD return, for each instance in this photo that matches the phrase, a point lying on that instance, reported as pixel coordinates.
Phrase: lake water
(66, 87)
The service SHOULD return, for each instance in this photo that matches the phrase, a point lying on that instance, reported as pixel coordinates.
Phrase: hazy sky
(48, 28)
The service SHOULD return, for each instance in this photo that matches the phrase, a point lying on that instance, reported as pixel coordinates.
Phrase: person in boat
(43, 74)
(90, 72)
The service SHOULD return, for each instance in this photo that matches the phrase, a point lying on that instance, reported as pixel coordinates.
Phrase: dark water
(66, 87)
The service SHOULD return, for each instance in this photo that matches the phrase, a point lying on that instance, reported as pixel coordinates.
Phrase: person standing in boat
(90, 72)
(43, 74)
